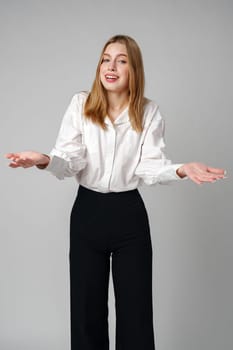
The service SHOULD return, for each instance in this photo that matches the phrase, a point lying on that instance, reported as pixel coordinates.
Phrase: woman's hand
(28, 159)
(200, 173)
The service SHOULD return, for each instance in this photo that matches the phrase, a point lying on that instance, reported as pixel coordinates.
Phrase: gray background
(49, 51)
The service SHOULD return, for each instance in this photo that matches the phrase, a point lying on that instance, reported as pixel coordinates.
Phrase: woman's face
(114, 69)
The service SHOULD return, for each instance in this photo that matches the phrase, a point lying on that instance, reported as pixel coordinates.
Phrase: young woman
(112, 140)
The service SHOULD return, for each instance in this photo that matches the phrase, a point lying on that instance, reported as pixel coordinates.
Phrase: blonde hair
(96, 105)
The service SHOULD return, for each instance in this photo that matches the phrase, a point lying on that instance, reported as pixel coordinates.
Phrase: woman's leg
(89, 294)
(89, 280)
(132, 280)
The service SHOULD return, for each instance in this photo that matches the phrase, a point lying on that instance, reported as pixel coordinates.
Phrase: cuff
(56, 166)
(168, 174)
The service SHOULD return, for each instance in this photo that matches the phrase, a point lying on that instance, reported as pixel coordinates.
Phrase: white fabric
(118, 159)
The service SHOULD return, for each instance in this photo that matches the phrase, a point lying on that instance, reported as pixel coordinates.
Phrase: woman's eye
(104, 60)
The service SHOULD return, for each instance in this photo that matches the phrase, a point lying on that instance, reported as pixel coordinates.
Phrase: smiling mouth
(111, 78)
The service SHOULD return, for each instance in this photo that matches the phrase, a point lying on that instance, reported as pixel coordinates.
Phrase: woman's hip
(112, 211)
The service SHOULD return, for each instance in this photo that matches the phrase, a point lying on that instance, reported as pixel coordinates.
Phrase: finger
(206, 178)
(13, 165)
(8, 155)
(216, 176)
(216, 170)
(206, 175)
(210, 171)
(202, 178)
(12, 155)
(203, 181)
(26, 163)
(19, 162)
(211, 179)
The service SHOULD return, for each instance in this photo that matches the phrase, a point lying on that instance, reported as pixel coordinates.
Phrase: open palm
(26, 159)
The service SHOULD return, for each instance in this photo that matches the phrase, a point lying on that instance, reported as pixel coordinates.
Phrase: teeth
(111, 77)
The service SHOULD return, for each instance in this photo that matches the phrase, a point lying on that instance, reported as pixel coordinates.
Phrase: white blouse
(118, 159)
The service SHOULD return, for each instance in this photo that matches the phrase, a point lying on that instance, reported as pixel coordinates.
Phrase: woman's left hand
(200, 173)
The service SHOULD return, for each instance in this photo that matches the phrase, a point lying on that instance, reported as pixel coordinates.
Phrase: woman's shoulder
(81, 95)
(151, 111)
(150, 105)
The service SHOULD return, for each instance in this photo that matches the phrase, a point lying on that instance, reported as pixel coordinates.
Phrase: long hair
(96, 105)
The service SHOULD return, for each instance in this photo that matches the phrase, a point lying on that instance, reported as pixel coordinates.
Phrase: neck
(117, 101)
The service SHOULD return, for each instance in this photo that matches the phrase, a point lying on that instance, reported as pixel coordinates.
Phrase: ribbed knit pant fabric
(106, 226)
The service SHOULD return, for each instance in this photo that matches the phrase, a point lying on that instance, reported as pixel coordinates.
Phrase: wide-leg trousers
(110, 225)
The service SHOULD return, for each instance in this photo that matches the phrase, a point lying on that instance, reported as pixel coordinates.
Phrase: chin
(114, 89)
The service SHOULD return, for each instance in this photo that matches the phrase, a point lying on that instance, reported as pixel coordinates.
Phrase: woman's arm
(154, 167)
(67, 157)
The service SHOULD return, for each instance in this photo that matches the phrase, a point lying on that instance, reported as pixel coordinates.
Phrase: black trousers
(110, 225)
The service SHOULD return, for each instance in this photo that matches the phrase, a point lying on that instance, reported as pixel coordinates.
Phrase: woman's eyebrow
(120, 54)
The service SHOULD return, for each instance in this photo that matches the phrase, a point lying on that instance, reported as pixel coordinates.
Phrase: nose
(111, 66)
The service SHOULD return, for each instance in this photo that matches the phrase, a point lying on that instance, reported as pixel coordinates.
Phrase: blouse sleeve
(153, 166)
(67, 157)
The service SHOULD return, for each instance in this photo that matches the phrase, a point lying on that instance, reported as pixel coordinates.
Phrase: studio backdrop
(49, 52)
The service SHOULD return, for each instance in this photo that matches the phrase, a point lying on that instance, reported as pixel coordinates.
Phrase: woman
(112, 141)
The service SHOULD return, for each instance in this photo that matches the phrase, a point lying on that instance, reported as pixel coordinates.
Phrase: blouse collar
(122, 118)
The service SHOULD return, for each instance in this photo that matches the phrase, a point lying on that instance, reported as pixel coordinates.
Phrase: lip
(111, 80)
(111, 75)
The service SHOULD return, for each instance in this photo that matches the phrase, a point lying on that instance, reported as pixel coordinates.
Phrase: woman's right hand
(28, 159)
